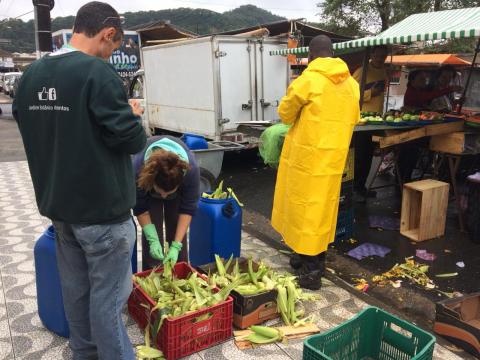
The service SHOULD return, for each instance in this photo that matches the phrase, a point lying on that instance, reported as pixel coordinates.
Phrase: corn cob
(282, 304)
(253, 275)
(220, 268)
(264, 335)
(146, 352)
(219, 193)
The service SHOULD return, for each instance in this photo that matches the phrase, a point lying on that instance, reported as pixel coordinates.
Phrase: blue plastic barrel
(216, 228)
(195, 142)
(49, 291)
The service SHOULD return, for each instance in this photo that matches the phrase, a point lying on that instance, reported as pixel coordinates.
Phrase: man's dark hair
(95, 16)
(320, 46)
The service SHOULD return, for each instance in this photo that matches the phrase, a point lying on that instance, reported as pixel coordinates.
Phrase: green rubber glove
(154, 245)
(173, 252)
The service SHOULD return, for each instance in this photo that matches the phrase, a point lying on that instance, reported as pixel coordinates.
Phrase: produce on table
(219, 193)
(431, 116)
(398, 116)
(370, 116)
(289, 294)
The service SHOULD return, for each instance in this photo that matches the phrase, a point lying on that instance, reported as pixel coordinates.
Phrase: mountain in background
(200, 21)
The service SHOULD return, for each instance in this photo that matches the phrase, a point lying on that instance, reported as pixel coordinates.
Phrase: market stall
(425, 27)
(452, 137)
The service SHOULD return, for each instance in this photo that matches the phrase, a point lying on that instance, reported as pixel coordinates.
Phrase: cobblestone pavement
(22, 335)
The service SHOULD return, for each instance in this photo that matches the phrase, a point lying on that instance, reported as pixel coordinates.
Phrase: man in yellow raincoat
(322, 105)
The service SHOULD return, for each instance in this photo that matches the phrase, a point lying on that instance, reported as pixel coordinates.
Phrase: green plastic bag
(271, 143)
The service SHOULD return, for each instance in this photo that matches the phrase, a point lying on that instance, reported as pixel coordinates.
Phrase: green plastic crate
(373, 334)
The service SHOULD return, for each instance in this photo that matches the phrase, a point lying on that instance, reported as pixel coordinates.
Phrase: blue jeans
(96, 276)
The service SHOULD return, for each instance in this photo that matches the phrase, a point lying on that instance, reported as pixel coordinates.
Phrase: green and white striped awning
(447, 24)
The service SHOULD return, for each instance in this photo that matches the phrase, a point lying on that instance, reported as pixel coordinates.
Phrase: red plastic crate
(182, 335)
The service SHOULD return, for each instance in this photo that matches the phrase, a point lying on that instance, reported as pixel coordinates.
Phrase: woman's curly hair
(164, 169)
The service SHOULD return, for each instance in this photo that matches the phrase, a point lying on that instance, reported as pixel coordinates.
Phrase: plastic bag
(271, 143)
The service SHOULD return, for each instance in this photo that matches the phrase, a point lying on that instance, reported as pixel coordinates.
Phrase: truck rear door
(272, 77)
(237, 82)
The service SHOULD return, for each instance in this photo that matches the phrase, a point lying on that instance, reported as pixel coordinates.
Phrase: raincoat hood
(334, 69)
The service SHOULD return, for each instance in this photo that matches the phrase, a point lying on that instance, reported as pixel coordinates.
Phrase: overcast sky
(289, 9)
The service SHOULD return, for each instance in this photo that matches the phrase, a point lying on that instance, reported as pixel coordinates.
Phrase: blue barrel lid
(194, 142)
(50, 232)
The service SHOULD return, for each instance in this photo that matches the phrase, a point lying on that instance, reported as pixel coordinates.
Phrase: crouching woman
(168, 190)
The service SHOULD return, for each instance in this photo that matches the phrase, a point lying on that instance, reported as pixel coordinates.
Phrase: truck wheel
(207, 181)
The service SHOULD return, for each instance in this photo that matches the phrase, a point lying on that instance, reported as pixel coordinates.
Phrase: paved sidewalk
(22, 335)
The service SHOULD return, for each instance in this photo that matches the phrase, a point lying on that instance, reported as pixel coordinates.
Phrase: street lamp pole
(43, 26)
(35, 21)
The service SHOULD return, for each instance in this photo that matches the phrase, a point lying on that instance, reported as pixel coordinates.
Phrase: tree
(372, 16)
(200, 21)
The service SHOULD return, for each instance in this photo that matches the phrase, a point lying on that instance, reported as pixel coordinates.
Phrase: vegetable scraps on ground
(219, 193)
(411, 270)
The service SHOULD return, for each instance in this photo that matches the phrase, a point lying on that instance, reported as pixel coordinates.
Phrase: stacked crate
(345, 210)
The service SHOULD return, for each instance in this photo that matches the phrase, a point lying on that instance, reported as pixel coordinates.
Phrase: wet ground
(254, 184)
(23, 337)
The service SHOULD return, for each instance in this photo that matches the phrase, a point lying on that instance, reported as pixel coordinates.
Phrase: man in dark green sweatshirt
(79, 131)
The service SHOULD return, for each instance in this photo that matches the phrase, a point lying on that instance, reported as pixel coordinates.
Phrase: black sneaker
(296, 261)
(311, 280)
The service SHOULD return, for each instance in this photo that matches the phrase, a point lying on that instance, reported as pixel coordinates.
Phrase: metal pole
(477, 50)
(389, 74)
(37, 43)
(42, 21)
(366, 58)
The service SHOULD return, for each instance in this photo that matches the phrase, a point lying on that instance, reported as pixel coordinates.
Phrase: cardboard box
(458, 320)
(248, 309)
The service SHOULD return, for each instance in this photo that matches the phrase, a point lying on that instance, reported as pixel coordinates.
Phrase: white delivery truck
(210, 86)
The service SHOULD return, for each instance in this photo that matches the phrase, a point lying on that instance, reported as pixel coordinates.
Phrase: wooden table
(393, 137)
(452, 147)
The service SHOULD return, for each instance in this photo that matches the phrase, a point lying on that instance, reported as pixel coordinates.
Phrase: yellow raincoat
(323, 106)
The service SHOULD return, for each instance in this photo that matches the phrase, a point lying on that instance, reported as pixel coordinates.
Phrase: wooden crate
(456, 143)
(424, 209)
